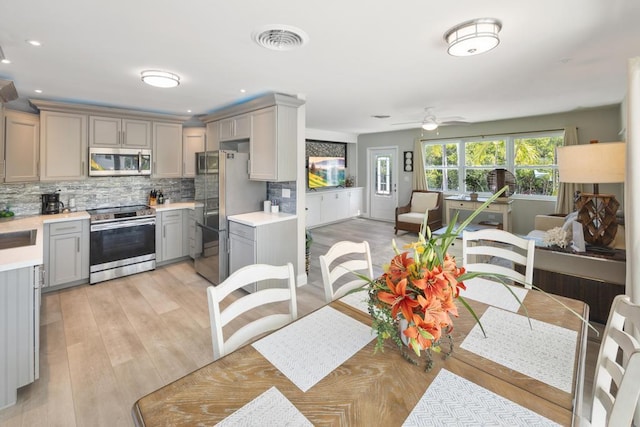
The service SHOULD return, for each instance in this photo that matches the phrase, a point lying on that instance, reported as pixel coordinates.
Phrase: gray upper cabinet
(119, 132)
(167, 150)
(272, 148)
(22, 146)
(193, 141)
(213, 136)
(63, 146)
(272, 121)
(235, 128)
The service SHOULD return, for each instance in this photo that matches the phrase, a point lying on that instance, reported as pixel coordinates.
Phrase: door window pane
(383, 175)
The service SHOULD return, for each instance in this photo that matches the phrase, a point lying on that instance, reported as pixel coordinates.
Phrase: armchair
(422, 202)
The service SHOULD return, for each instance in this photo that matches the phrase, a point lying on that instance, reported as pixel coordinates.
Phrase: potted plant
(474, 184)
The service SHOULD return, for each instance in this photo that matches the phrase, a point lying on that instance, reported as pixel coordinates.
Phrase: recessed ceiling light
(38, 91)
(243, 90)
(5, 61)
(34, 42)
(159, 78)
(280, 37)
(188, 111)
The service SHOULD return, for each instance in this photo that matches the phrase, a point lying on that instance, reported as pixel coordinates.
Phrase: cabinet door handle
(164, 231)
(77, 244)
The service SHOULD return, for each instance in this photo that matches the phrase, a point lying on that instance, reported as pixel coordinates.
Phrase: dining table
(323, 370)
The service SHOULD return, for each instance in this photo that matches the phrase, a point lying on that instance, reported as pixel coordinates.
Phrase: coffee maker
(51, 204)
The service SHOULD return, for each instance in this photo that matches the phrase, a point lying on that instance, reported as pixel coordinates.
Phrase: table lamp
(594, 163)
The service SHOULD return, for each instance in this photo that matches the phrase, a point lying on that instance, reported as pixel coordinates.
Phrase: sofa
(422, 203)
(544, 223)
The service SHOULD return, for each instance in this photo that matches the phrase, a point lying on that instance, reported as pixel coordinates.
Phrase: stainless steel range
(123, 241)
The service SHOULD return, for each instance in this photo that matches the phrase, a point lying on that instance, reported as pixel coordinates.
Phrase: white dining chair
(616, 385)
(504, 249)
(340, 261)
(251, 328)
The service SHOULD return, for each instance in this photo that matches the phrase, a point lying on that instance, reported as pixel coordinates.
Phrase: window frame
(509, 159)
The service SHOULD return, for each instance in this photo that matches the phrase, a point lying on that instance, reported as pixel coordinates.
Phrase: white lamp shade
(592, 163)
(158, 78)
(429, 125)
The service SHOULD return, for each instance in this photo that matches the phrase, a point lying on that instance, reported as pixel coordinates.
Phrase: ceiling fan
(431, 122)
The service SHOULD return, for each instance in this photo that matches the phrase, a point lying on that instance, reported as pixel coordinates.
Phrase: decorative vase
(402, 325)
(473, 196)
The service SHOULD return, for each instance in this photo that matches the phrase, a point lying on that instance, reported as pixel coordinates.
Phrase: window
(529, 157)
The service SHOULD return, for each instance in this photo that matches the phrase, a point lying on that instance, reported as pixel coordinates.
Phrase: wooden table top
(368, 389)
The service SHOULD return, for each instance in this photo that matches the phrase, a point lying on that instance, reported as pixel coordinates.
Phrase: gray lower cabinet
(171, 241)
(19, 330)
(66, 252)
(269, 243)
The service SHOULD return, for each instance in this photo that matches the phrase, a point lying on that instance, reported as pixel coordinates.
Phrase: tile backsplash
(24, 198)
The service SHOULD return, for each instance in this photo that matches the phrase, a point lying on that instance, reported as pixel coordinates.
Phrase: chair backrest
(618, 365)
(344, 252)
(492, 242)
(422, 201)
(242, 277)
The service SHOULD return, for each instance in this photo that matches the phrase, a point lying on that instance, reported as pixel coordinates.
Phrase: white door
(383, 194)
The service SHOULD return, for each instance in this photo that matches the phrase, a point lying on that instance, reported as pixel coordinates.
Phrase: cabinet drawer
(242, 230)
(464, 205)
(494, 208)
(177, 214)
(65, 227)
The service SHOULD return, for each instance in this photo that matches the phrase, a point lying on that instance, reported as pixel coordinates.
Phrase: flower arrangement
(413, 302)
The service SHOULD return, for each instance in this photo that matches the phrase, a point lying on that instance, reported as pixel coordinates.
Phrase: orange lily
(398, 298)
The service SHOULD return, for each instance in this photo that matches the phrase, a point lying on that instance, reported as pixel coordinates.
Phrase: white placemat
(545, 352)
(357, 300)
(310, 348)
(493, 293)
(452, 400)
(271, 408)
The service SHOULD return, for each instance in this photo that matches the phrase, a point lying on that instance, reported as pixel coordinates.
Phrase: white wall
(601, 123)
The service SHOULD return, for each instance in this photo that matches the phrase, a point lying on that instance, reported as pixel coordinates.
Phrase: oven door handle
(123, 224)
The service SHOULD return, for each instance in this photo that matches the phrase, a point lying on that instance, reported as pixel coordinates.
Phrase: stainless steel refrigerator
(224, 189)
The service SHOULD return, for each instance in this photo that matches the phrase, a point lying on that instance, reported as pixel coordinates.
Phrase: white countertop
(255, 219)
(173, 206)
(27, 256)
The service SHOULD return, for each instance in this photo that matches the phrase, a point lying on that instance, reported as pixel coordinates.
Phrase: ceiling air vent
(280, 37)
(7, 91)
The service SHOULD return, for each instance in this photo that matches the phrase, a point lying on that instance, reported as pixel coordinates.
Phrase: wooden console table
(502, 207)
(590, 277)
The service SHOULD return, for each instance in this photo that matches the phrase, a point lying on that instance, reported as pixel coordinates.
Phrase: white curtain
(419, 176)
(567, 190)
(631, 202)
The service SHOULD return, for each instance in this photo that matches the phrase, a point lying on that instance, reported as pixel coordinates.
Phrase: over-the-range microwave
(207, 162)
(119, 161)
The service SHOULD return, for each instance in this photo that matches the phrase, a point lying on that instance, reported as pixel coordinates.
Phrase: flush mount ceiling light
(280, 37)
(160, 78)
(473, 37)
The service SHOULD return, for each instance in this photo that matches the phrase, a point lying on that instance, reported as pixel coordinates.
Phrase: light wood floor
(102, 347)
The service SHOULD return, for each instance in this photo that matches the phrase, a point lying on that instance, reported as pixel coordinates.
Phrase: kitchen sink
(17, 239)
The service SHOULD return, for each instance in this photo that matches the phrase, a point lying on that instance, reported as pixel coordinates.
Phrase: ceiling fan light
(158, 78)
(473, 37)
(429, 125)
